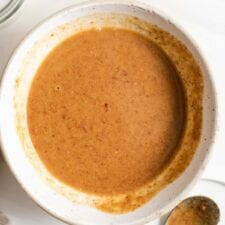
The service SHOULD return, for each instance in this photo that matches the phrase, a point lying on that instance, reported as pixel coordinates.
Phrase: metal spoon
(197, 210)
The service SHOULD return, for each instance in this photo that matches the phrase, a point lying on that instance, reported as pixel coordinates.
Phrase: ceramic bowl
(14, 91)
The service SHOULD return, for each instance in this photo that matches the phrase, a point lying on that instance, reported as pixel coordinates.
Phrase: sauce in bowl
(106, 111)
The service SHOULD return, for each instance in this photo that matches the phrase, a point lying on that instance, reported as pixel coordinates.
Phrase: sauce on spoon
(195, 211)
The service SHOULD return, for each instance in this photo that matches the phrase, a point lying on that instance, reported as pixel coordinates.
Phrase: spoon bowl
(197, 210)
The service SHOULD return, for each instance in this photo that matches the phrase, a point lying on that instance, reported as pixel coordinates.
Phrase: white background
(203, 19)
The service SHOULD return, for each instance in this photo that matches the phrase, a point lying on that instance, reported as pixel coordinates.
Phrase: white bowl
(26, 60)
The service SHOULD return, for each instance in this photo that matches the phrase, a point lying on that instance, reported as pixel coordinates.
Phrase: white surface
(204, 19)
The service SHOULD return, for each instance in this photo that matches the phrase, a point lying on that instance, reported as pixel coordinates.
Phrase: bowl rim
(163, 15)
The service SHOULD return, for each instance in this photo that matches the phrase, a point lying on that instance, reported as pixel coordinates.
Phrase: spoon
(197, 210)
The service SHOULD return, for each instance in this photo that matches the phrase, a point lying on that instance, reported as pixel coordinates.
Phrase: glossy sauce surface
(106, 111)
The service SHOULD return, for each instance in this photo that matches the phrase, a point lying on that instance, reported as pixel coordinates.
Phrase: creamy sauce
(106, 111)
